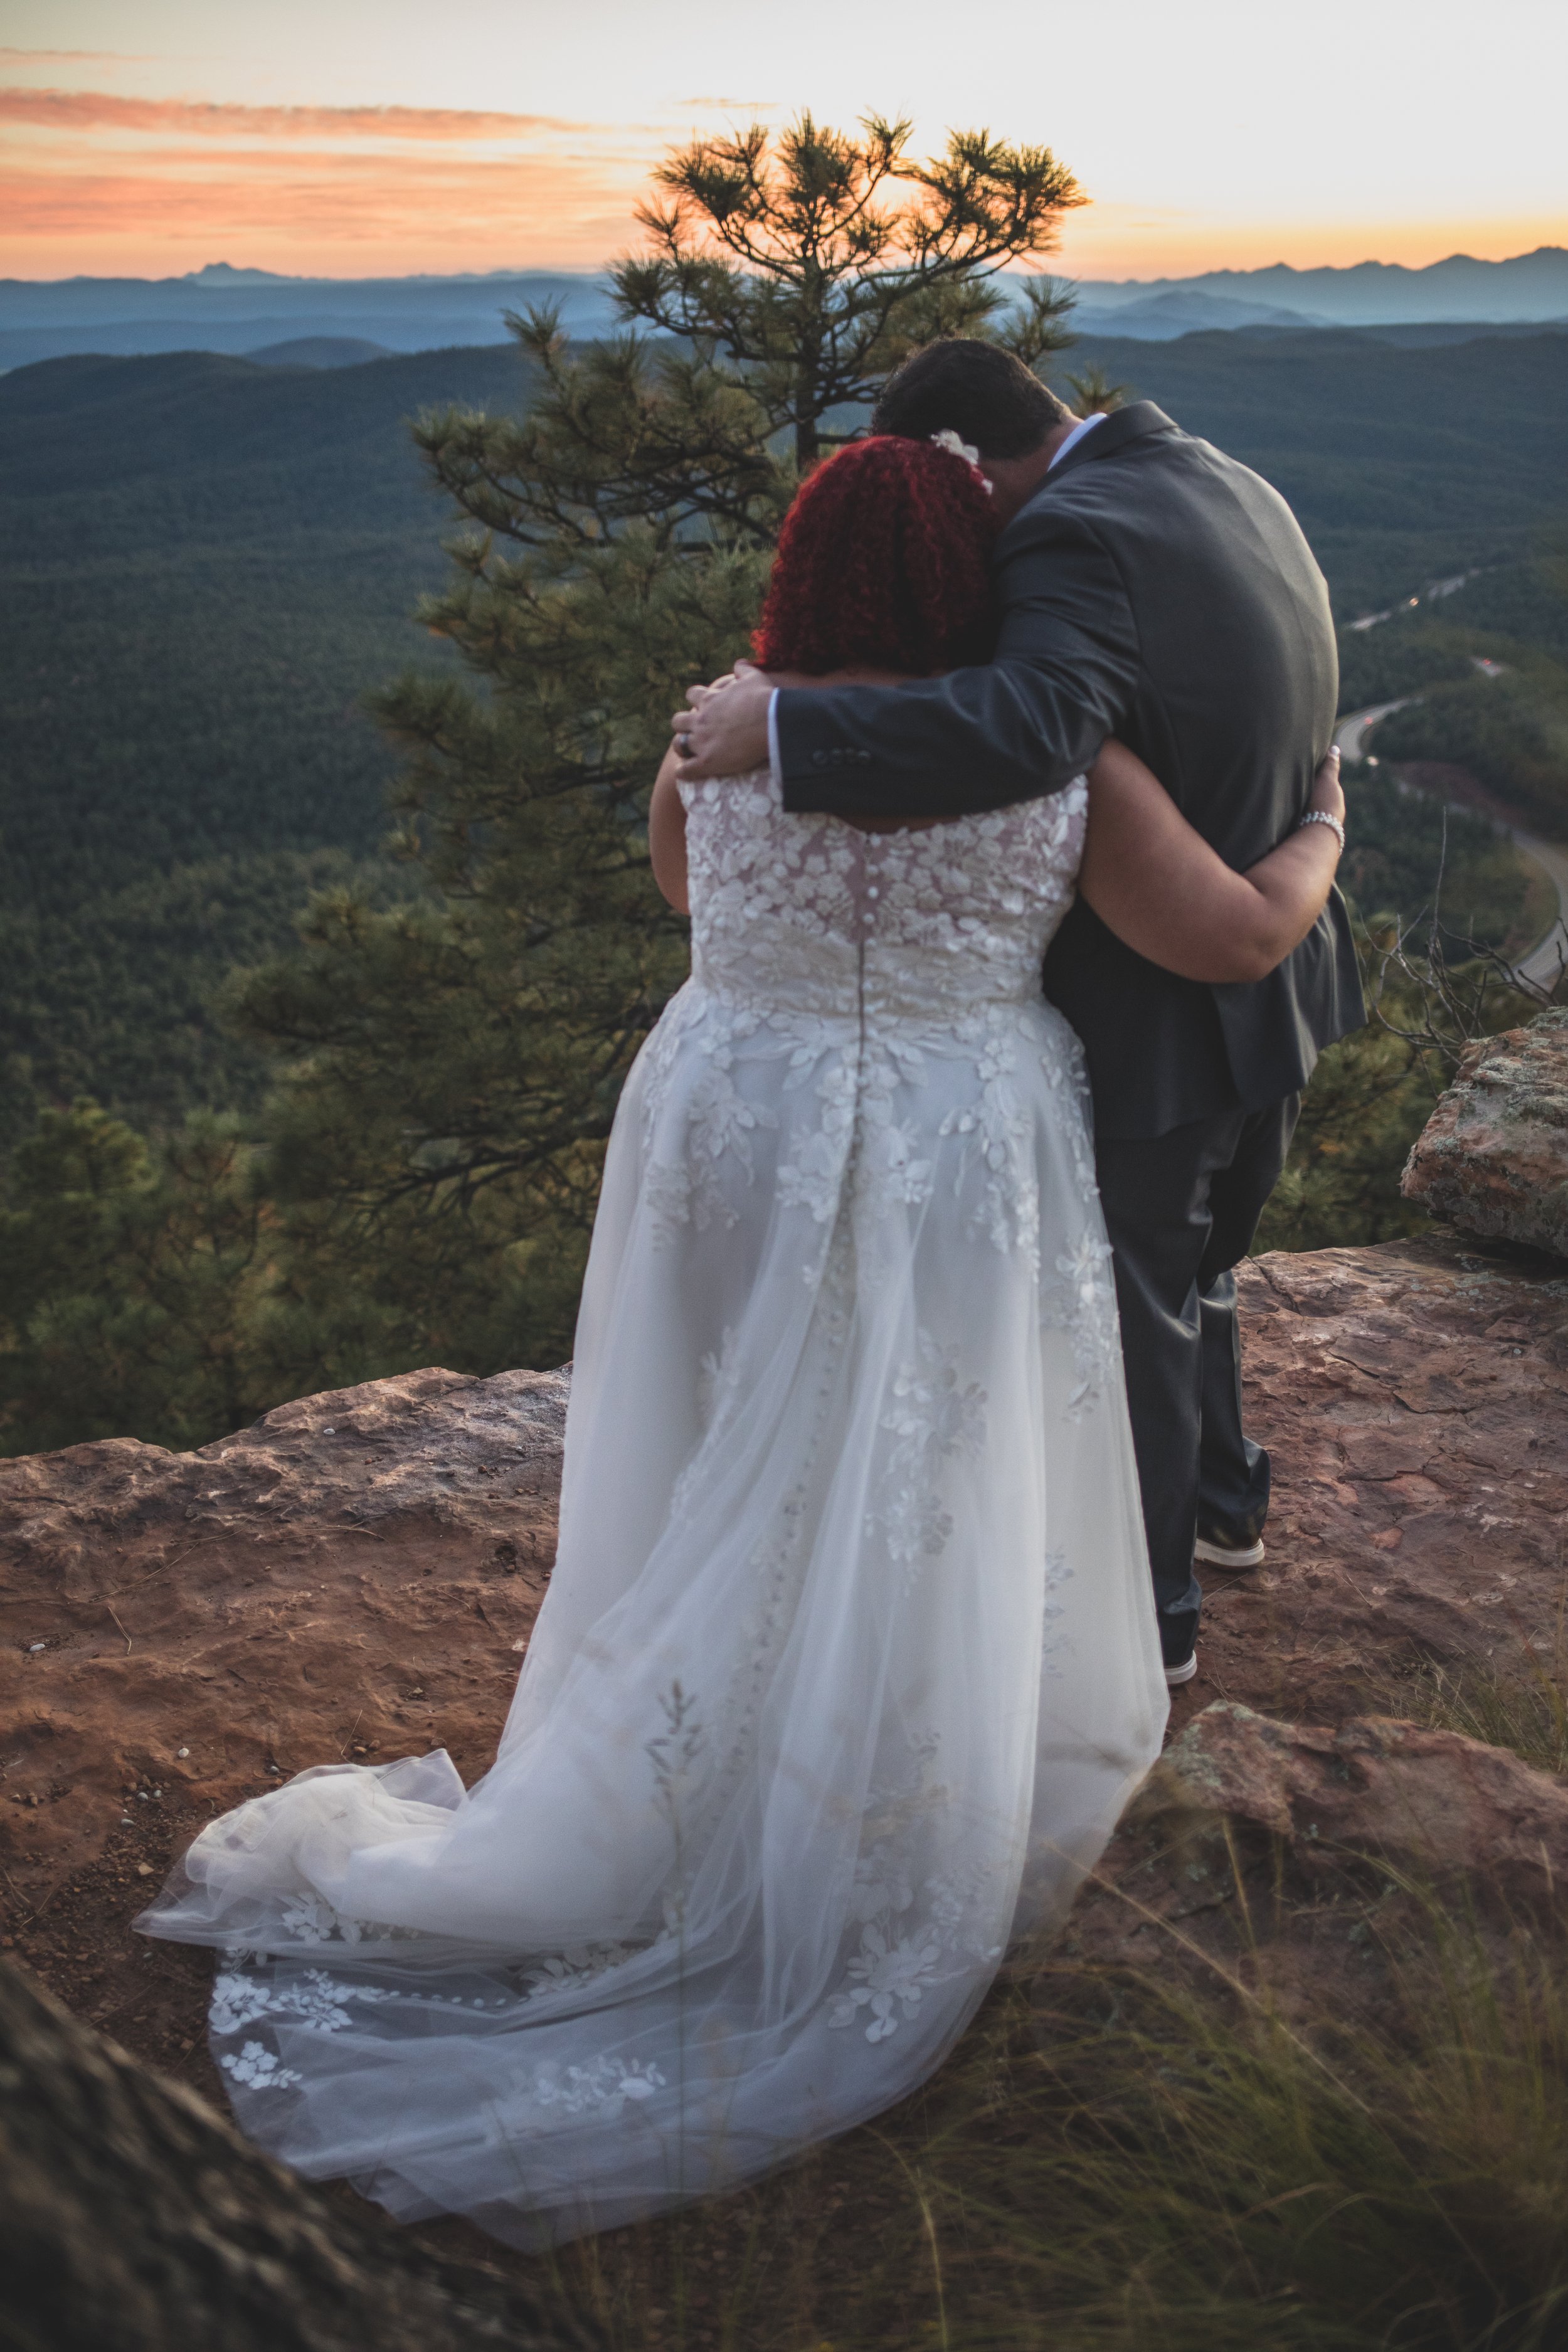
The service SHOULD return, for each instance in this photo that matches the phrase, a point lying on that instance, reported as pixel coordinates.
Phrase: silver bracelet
(1321, 816)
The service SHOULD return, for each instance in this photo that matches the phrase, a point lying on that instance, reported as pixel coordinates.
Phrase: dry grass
(1521, 1704)
(1112, 2166)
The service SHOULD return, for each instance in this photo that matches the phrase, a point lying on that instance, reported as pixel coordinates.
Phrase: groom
(1148, 587)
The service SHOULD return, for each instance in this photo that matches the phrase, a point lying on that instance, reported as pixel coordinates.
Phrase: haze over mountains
(240, 311)
(252, 311)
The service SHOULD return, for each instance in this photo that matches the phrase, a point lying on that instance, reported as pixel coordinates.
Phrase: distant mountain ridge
(319, 351)
(1528, 286)
(219, 291)
(1181, 310)
(236, 311)
(233, 311)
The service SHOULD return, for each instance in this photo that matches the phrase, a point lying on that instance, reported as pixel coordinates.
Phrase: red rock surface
(353, 1577)
(358, 1573)
(1415, 1400)
(1334, 1875)
(1428, 1801)
(1493, 1156)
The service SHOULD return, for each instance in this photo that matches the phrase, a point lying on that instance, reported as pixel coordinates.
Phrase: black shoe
(1178, 1646)
(1229, 1544)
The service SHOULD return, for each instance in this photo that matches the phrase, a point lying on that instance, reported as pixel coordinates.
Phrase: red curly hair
(883, 563)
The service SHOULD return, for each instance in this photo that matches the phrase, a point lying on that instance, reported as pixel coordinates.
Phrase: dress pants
(1181, 1210)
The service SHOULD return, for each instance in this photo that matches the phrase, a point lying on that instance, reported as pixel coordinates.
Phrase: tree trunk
(807, 401)
(134, 2219)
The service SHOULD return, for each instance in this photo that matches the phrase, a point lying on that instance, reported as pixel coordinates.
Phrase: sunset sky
(361, 138)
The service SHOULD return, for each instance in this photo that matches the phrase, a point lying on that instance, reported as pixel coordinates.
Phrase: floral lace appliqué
(912, 1927)
(1002, 1136)
(571, 1970)
(1053, 1610)
(885, 1979)
(315, 1999)
(933, 1416)
(311, 1919)
(258, 2068)
(1083, 1304)
(606, 2085)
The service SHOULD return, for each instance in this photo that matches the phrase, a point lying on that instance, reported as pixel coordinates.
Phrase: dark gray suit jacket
(1154, 589)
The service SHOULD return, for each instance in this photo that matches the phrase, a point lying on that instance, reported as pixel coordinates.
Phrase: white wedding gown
(849, 1659)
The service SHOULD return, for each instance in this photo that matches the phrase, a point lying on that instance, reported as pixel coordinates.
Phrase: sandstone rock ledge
(355, 1577)
(1414, 1398)
(1493, 1156)
(1331, 1873)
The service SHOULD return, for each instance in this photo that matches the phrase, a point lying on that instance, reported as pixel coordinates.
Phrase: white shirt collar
(1087, 425)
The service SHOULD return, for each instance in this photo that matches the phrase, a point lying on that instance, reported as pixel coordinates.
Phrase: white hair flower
(949, 441)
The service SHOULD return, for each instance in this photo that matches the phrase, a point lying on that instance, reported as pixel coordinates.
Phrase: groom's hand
(724, 734)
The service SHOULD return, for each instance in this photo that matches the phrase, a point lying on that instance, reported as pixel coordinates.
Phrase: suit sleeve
(1063, 678)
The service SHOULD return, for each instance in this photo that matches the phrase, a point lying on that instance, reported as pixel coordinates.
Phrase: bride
(849, 1660)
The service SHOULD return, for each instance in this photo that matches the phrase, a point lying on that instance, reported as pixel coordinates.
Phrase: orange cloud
(319, 211)
(328, 190)
(147, 184)
(86, 111)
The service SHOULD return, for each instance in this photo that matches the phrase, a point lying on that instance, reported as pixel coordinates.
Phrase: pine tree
(454, 1064)
(133, 1285)
(1093, 393)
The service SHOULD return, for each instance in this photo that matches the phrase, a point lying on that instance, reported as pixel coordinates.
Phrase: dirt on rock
(1414, 1398)
(352, 1579)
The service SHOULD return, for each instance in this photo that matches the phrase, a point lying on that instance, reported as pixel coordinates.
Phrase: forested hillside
(203, 565)
(207, 562)
(1403, 465)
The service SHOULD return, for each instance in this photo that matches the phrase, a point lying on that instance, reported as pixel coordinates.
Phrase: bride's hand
(1328, 792)
(724, 733)
(696, 696)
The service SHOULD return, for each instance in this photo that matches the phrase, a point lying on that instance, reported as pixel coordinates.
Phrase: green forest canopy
(206, 564)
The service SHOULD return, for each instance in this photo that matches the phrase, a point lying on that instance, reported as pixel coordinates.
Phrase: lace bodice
(807, 913)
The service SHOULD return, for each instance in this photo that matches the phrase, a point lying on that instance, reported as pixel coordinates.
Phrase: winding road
(1546, 964)
(1548, 960)
(1351, 732)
